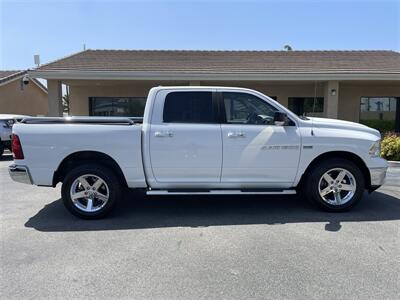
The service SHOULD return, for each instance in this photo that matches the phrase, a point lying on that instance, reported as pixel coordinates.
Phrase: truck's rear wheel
(335, 185)
(90, 191)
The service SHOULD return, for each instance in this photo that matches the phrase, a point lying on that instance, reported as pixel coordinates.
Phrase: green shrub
(382, 125)
(390, 147)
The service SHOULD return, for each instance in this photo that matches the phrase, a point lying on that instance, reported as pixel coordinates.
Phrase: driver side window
(242, 108)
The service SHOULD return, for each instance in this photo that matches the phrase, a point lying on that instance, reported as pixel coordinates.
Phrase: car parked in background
(6, 123)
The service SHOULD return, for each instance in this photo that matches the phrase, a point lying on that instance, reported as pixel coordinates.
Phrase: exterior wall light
(333, 92)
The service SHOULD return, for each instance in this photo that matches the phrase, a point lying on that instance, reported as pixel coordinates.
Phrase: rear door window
(189, 107)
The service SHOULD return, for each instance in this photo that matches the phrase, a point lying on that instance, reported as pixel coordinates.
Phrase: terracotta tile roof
(229, 61)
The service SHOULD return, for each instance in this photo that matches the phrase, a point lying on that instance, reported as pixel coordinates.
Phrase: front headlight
(375, 149)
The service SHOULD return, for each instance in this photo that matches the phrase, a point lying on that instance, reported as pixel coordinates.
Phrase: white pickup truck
(199, 140)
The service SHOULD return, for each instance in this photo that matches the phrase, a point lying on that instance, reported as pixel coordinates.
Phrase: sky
(57, 28)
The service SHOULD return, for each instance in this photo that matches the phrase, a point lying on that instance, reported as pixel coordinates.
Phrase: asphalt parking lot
(199, 247)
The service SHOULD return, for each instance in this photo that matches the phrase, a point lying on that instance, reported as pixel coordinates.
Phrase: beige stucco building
(348, 85)
(19, 98)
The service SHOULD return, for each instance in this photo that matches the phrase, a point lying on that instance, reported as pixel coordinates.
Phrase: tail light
(16, 147)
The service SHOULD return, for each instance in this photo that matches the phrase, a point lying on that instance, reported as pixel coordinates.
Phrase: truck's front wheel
(335, 185)
(90, 191)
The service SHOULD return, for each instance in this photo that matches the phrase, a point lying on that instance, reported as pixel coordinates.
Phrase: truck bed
(48, 141)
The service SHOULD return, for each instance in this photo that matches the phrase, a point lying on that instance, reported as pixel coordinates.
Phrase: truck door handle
(163, 134)
(236, 134)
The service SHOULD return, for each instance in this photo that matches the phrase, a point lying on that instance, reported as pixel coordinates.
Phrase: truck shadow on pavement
(138, 211)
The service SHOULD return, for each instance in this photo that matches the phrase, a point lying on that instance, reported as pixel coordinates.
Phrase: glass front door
(306, 106)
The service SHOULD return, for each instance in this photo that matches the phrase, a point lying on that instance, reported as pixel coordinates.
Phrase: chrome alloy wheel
(337, 186)
(89, 193)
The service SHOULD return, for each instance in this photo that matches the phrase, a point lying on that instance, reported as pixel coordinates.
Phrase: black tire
(312, 184)
(107, 175)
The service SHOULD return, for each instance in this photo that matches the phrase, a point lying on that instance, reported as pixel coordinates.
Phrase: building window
(306, 105)
(189, 107)
(117, 106)
(379, 112)
(378, 104)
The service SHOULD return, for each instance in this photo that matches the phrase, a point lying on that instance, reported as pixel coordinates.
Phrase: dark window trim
(221, 107)
(216, 107)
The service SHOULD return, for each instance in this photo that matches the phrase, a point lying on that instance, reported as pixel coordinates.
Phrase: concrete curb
(394, 164)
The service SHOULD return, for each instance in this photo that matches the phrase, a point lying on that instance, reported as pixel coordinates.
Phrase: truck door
(256, 152)
(185, 138)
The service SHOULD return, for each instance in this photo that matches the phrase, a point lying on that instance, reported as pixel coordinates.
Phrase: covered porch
(331, 99)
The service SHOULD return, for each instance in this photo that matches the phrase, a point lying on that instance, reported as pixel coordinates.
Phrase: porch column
(331, 99)
(194, 83)
(54, 98)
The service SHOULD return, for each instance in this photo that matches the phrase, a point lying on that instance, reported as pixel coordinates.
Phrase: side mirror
(281, 119)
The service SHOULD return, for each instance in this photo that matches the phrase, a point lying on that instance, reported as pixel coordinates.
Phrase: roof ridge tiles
(230, 50)
(215, 60)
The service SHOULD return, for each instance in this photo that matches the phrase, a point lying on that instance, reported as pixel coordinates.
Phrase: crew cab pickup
(199, 140)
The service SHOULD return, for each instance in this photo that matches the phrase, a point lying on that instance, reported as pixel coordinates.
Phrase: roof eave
(12, 77)
(20, 75)
(281, 76)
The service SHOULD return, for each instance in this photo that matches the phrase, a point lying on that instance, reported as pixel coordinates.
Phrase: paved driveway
(199, 247)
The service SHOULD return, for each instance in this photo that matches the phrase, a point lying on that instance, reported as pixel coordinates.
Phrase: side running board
(224, 192)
